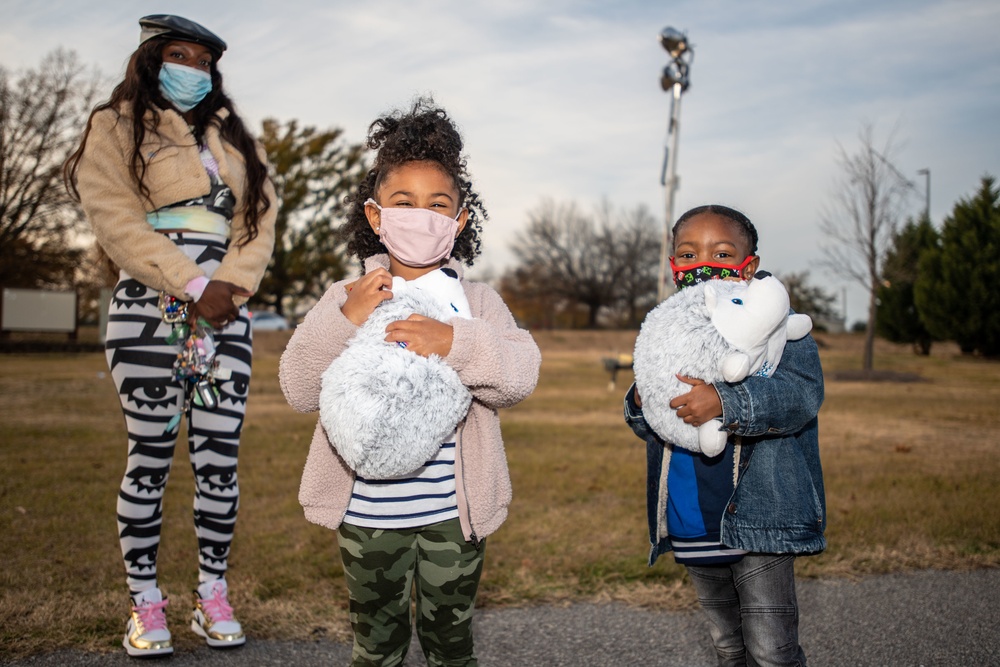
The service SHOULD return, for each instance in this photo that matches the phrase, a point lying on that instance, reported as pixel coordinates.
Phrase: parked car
(265, 320)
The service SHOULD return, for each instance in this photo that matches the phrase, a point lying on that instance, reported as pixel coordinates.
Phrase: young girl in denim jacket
(737, 521)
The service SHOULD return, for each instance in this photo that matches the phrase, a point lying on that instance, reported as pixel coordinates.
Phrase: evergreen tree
(956, 289)
(897, 318)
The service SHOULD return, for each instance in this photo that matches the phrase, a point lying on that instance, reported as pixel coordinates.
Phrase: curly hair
(746, 228)
(139, 92)
(422, 133)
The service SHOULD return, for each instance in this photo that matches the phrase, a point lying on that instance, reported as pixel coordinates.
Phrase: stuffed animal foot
(711, 439)
(735, 367)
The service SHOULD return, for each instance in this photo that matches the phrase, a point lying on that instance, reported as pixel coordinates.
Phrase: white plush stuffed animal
(385, 409)
(716, 331)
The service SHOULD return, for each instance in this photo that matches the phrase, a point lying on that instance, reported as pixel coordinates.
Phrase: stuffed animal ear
(711, 298)
(798, 326)
(735, 367)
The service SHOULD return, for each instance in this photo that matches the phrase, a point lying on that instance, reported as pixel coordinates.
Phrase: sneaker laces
(151, 615)
(217, 605)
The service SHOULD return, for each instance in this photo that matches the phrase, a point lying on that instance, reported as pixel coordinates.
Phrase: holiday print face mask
(685, 276)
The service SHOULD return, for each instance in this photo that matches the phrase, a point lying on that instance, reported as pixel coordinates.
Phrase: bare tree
(599, 262)
(637, 246)
(859, 227)
(811, 300)
(535, 307)
(42, 114)
(563, 249)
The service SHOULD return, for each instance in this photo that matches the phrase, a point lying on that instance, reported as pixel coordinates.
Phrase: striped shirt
(704, 552)
(420, 498)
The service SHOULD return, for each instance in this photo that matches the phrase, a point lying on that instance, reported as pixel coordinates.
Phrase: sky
(561, 99)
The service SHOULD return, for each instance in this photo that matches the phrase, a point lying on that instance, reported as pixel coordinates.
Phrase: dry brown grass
(910, 470)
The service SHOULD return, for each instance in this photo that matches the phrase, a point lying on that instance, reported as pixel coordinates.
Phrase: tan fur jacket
(495, 359)
(174, 173)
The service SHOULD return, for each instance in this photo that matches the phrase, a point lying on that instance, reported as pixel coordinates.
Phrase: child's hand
(421, 335)
(365, 294)
(699, 405)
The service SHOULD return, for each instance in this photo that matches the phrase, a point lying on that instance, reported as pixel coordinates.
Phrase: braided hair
(743, 224)
(422, 133)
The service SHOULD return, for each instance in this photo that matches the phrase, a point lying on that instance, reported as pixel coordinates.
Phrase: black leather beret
(178, 27)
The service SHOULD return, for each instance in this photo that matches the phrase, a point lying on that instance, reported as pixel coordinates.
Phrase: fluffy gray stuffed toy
(716, 331)
(385, 409)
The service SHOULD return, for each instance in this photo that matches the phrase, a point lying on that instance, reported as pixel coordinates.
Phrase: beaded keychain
(196, 366)
(172, 309)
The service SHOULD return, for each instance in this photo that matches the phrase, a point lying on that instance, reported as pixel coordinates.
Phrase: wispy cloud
(561, 99)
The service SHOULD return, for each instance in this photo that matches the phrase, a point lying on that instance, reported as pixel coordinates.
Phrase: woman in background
(177, 193)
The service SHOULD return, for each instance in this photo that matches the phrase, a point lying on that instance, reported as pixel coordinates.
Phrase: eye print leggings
(141, 363)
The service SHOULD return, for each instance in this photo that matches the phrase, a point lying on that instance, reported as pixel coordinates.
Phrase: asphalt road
(926, 618)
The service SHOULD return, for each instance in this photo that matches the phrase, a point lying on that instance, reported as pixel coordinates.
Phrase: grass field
(911, 471)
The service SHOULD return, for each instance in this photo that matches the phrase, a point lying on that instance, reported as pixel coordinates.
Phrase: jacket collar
(125, 110)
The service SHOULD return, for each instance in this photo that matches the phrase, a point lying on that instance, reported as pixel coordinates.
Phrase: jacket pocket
(174, 174)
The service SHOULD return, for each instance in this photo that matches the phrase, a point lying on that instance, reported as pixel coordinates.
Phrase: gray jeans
(752, 608)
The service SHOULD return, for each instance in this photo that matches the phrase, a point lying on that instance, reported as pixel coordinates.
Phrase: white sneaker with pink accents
(146, 631)
(213, 619)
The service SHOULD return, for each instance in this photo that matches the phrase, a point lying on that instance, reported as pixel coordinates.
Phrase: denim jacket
(778, 504)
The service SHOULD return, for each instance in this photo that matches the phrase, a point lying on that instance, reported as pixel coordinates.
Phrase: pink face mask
(416, 236)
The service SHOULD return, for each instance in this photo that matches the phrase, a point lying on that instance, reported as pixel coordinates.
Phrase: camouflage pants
(381, 568)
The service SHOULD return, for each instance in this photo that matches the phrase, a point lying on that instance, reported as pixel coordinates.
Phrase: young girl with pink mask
(415, 217)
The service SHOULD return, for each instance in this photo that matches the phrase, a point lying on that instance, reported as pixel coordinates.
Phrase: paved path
(927, 618)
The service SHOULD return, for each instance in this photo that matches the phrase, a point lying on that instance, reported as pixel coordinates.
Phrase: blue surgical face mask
(184, 86)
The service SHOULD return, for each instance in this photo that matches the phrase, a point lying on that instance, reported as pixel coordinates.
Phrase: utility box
(35, 310)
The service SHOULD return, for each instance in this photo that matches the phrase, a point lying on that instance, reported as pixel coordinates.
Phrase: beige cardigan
(495, 359)
(174, 173)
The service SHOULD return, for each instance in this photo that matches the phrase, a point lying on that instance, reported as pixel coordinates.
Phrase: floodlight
(674, 41)
(674, 73)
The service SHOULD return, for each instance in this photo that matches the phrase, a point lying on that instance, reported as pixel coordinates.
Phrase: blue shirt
(700, 488)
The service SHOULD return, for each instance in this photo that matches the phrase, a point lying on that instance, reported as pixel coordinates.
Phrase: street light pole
(926, 173)
(669, 180)
(674, 79)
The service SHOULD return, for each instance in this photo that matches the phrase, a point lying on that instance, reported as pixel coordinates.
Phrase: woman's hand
(421, 335)
(698, 406)
(364, 294)
(216, 304)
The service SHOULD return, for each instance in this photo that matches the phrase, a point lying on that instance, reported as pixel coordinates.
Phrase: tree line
(575, 268)
(924, 284)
